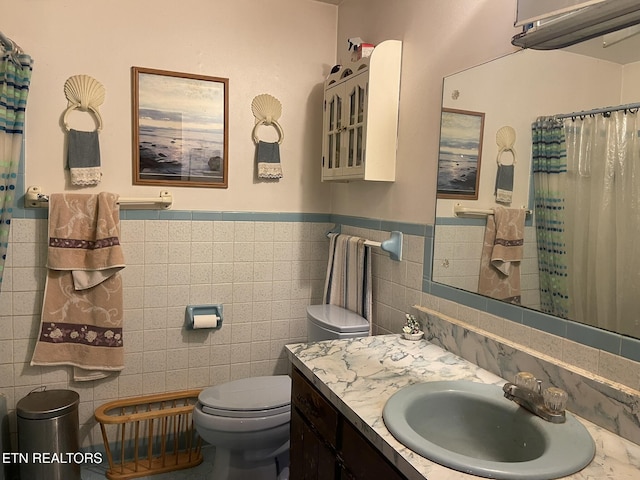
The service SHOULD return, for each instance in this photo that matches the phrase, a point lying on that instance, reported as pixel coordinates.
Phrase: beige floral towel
(82, 309)
(501, 255)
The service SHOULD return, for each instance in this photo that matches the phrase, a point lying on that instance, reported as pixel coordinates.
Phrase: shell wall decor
(86, 94)
(506, 139)
(267, 109)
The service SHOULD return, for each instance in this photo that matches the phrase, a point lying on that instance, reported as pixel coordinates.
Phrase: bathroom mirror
(513, 91)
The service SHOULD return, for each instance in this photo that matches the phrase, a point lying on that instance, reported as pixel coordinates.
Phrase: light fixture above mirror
(553, 25)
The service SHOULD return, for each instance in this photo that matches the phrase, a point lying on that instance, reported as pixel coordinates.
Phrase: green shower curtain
(549, 161)
(15, 75)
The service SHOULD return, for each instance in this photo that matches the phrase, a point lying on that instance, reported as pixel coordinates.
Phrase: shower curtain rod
(595, 111)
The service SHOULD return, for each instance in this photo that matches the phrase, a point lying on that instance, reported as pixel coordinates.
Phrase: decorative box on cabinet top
(360, 118)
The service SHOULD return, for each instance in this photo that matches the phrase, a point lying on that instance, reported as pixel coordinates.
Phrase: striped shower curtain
(549, 160)
(15, 75)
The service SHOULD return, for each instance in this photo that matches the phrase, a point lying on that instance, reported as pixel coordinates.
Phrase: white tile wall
(397, 286)
(456, 260)
(264, 273)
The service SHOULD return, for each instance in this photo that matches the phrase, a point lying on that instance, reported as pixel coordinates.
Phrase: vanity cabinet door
(311, 457)
(325, 445)
(315, 409)
(362, 461)
(314, 430)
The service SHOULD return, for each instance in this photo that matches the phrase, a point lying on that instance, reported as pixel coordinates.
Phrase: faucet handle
(555, 399)
(525, 380)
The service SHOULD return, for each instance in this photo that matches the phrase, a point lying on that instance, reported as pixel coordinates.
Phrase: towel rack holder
(34, 198)
(393, 245)
(459, 210)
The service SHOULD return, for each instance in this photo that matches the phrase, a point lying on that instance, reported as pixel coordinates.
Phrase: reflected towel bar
(34, 198)
(477, 212)
(393, 245)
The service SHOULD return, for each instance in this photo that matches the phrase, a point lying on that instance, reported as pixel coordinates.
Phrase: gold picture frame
(180, 129)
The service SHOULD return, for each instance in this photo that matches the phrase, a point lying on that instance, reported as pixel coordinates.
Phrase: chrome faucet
(527, 392)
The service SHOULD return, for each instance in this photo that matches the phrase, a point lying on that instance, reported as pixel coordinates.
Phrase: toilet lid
(337, 319)
(248, 397)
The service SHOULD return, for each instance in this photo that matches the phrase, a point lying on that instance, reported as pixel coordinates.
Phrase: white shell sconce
(86, 94)
(267, 110)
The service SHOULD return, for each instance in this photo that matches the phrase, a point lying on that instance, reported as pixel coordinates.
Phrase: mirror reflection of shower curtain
(15, 76)
(549, 175)
(603, 220)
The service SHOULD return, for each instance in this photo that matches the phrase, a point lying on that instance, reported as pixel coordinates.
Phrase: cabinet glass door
(356, 115)
(333, 118)
(345, 118)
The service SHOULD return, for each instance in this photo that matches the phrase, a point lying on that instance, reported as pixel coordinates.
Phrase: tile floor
(201, 472)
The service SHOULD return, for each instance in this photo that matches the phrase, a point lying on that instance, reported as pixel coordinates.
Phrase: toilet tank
(328, 322)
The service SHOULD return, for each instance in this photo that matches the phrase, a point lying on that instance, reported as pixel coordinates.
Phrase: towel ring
(503, 150)
(274, 124)
(96, 115)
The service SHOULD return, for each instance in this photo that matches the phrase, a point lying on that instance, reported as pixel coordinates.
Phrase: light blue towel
(83, 157)
(269, 160)
(504, 183)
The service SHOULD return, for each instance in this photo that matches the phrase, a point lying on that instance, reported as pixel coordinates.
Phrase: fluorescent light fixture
(617, 37)
(574, 27)
(530, 11)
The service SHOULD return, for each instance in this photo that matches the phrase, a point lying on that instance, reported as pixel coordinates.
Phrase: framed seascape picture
(180, 129)
(460, 154)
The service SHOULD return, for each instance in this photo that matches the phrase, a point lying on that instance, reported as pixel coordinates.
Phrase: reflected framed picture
(460, 153)
(180, 129)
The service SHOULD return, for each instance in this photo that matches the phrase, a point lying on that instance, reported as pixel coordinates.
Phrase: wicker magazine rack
(150, 434)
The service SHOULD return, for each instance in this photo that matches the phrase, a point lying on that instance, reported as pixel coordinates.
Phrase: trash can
(48, 435)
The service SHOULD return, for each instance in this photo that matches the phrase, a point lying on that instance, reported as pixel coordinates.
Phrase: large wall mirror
(587, 165)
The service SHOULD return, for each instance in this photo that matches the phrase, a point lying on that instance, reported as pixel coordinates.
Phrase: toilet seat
(255, 397)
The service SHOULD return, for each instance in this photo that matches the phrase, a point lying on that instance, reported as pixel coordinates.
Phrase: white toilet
(247, 420)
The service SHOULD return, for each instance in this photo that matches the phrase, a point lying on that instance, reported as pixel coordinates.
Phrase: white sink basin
(472, 428)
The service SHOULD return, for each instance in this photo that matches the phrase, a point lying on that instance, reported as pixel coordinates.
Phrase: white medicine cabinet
(360, 119)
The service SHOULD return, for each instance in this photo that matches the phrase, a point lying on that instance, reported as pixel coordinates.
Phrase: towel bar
(34, 198)
(393, 245)
(478, 212)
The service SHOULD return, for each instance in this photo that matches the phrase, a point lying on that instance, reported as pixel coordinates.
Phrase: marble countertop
(359, 375)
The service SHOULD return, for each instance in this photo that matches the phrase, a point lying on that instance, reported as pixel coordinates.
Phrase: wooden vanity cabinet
(325, 445)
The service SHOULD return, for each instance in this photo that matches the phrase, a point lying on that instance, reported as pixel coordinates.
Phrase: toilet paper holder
(204, 316)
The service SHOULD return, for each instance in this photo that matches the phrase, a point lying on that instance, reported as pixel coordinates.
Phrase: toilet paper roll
(205, 321)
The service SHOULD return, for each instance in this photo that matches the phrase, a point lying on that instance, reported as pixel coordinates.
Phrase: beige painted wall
(280, 47)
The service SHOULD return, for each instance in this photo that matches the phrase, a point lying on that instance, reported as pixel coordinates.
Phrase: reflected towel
(502, 253)
(81, 322)
(83, 157)
(269, 160)
(348, 280)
